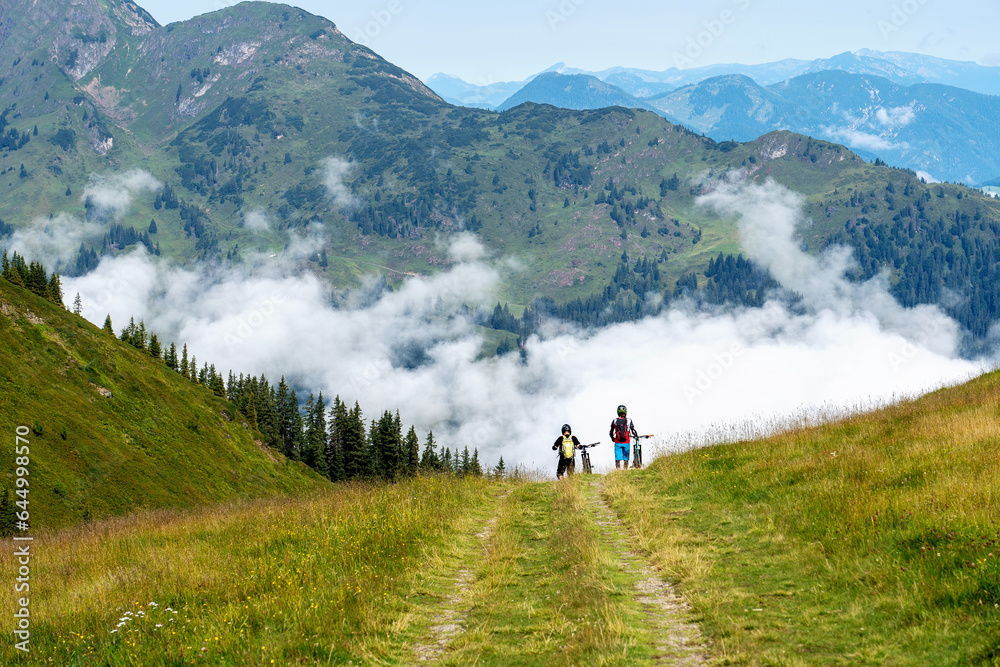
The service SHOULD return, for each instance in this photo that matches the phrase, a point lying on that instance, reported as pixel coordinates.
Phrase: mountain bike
(585, 457)
(637, 450)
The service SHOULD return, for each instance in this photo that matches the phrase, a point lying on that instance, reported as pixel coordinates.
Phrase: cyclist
(622, 432)
(566, 444)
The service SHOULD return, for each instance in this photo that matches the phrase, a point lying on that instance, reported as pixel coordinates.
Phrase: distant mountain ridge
(949, 133)
(882, 107)
(572, 91)
(897, 66)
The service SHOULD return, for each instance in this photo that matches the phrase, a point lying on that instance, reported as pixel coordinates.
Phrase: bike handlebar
(593, 444)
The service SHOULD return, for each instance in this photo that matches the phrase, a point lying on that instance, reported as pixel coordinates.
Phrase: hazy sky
(489, 42)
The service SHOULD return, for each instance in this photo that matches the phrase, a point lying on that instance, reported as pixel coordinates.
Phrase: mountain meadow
(182, 512)
(866, 541)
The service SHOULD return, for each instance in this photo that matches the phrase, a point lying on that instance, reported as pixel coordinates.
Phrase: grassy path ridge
(550, 580)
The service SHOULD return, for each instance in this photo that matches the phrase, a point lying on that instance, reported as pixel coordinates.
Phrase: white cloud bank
(682, 371)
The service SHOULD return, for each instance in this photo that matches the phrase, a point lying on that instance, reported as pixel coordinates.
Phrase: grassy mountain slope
(114, 431)
(871, 540)
(235, 118)
(867, 541)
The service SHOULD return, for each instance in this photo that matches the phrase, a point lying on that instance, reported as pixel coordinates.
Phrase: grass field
(288, 581)
(869, 541)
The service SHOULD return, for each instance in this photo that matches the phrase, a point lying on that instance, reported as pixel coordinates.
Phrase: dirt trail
(450, 618)
(677, 641)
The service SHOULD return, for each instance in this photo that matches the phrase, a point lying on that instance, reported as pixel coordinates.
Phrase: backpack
(566, 449)
(621, 430)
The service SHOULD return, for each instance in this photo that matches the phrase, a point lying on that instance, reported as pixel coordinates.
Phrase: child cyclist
(566, 444)
(622, 432)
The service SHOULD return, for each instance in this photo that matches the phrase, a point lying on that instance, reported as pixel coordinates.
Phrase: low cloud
(55, 242)
(335, 171)
(257, 221)
(927, 177)
(896, 116)
(111, 195)
(863, 140)
(416, 348)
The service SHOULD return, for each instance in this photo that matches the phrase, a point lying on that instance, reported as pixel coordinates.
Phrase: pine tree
(357, 463)
(154, 346)
(429, 460)
(464, 466)
(314, 455)
(500, 470)
(387, 444)
(107, 325)
(411, 447)
(267, 413)
(77, 304)
(287, 408)
(252, 414)
(217, 386)
(184, 361)
(54, 291)
(335, 441)
(171, 357)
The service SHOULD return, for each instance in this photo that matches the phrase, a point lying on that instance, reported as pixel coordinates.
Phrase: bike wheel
(586, 463)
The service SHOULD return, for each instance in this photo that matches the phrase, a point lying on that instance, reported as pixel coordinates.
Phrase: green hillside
(112, 431)
(867, 541)
(872, 540)
(238, 111)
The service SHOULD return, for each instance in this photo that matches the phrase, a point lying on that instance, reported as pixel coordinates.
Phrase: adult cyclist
(622, 432)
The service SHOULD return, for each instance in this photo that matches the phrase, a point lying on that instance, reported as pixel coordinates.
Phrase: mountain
(950, 133)
(972, 76)
(899, 67)
(110, 430)
(572, 91)
(295, 125)
(456, 91)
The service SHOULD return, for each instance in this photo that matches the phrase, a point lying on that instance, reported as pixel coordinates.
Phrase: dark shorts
(566, 466)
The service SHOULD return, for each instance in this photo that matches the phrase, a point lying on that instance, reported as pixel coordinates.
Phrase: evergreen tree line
(953, 260)
(730, 279)
(33, 277)
(335, 442)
